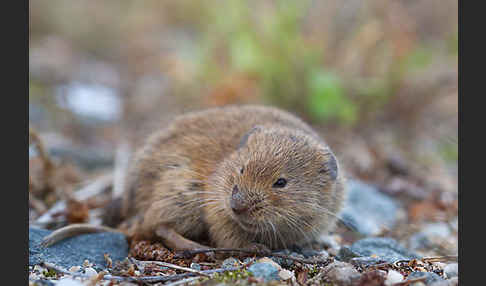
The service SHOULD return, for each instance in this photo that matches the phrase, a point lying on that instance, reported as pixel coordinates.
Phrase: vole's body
(236, 176)
(184, 178)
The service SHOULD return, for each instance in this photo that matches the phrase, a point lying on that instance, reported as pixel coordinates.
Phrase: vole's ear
(244, 139)
(330, 166)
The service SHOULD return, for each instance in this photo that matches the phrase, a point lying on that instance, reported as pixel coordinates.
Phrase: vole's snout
(239, 204)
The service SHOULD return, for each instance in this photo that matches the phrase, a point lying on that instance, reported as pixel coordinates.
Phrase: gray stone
(346, 254)
(429, 235)
(90, 271)
(365, 261)
(367, 210)
(322, 255)
(267, 271)
(230, 263)
(307, 252)
(195, 266)
(443, 283)
(286, 263)
(393, 277)
(431, 277)
(74, 251)
(451, 270)
(341, 273)
(382, 248)
(43, 282)
(89, 159)
(69, 282)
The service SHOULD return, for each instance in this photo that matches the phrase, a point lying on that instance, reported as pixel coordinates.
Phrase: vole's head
(280, 184)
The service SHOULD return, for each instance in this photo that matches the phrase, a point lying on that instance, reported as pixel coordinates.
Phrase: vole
(238, 176)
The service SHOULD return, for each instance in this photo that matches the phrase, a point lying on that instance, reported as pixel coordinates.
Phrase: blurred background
(378, 79)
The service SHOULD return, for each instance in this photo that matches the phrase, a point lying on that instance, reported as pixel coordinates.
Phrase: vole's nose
(238, 203)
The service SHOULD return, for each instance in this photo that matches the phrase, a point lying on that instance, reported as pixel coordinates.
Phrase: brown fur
(183, 179)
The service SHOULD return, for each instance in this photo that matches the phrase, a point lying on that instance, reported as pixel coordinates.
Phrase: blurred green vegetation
(289, 66)
(289, 69)
(360, 66)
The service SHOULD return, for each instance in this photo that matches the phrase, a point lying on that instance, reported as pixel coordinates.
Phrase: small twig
(48, 216)
(72, 230)
(441, 258)
(169, 265)
(92, 189)
(96, 187)
(425, 259)
(48, 164)
(189, 253)
(142, 279)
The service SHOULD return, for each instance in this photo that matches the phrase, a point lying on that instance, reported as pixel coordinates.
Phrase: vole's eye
(242, 169)
(280, 183)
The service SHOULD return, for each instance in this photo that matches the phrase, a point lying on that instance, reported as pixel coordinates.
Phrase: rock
(285, 274)
(375, 249)
(87, 158)
(307, 252)
(372, 278)
(341, 273)
(393, 277)
(454, 224)
(451, 270)
(74, 251)
(365, 261)
(346, 254)
(268, 260)
(368, 210)
(247, 260)
(43, 282)
(38, 115)
(322, 255)
(431, 277)
(266, 271)
(90, 271)
(230, 263)
(93, 103)
(444, 283)
(69, 282)
(430, 235)
(74, 268)
(286, 262)
(195, 266)
(454, 281)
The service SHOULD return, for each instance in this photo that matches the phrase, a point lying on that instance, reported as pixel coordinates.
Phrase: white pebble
(74, 268)
(451, 270)
(270, 261)
(285, 274)
(323, 254)
(33, 276)
(39, 268)
(68, 282)
(86, 263)
(393, 277)
(90, 271)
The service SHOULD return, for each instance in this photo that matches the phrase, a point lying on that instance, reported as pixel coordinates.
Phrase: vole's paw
(258, 247)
